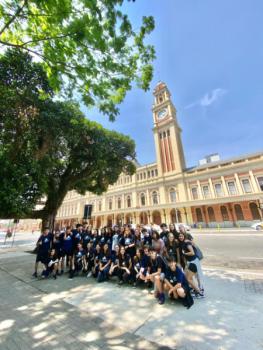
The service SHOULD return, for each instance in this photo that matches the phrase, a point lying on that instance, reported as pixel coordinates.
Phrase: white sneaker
(89, 274)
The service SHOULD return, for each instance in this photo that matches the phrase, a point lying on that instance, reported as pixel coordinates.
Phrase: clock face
(162, 113)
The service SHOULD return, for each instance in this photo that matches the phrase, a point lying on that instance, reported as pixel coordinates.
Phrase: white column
(224, 185)
(253, 181)
(213, 195)
(239, 188)
(200, 190)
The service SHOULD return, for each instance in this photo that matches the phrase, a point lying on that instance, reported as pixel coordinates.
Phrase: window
(246, 186)
(149, 173)
(152, 173)
(140, 176)
(199, 215)
(172, 195)
(239, 212)
(206, 191)
(110, 204)
(232, 188)
(155, 197)
(194, 193)
(260, 182)
(254, 211)
(144, 175)
(211, 214)
(219, 191)
(99, 206)
(224, 213)
(128, 202)
(156, 173)
(143, 199)
(119, 202)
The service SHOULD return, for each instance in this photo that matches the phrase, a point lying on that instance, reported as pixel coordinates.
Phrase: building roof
(224, 161)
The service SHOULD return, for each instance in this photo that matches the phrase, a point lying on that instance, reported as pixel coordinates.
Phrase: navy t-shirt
(68, 243)
(45, 243)
(176, 276)
(185, 247)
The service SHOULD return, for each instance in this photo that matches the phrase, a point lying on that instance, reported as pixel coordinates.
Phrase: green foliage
(48, 147)
(88, 46)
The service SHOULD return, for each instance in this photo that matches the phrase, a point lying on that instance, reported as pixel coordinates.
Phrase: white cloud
(208, 99)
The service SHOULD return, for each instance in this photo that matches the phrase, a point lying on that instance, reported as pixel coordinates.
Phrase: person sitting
(124, 266)
(175, 284)
(104, 264)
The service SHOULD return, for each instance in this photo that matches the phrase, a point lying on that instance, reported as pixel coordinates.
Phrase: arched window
(254, 211)
(224, 213)
(239, 212)
(99, 206)
(199, 215)
(194, 193)
(110, 204)
(128, 201)
(211, 214)
(119, 202)
(155, 197)
(143, 199)
(172, 194)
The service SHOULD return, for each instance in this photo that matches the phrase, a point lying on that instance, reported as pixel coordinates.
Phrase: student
(78, 261)
(104, 264)
(57, 245)
(124, 266)
(137, 268)
(176, 285)
(188, 253)
(172, 248)
(128, 242)
(157, 242)
(114, 261)
(115, 238)
(137, 238)
(164, 232)
(97, 256)
(44, 244)
(52, 264)
(77, 236)
(156, 270)
(85, 238)
(173, 230)
(67, 248)
(89, 258)
(147, 238)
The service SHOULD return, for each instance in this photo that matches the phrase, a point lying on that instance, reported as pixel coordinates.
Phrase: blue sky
(210, 54)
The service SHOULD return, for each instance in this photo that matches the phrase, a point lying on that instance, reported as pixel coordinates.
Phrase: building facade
(226, 193)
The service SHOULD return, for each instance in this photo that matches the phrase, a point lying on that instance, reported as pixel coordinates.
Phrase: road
(227, 249)
(232, 250)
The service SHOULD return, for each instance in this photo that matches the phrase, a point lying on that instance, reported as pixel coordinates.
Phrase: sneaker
(161, 298)
(152, 291)
(34, 275)
(199, 295)
(55, 277)
(89, 274)
(120, 283)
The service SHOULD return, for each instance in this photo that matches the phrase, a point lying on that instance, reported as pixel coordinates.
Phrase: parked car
(257, 226)
(187, 227)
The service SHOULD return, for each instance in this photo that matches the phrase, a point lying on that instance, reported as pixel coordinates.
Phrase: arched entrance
(98, 222)
(254, 211)
(109, 220)
(143, 218)
(128, 218)
(176, 216)
(119, 219)
(156, 217)
(239, 212)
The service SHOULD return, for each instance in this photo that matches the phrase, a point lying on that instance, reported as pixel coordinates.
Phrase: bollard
(218, 227)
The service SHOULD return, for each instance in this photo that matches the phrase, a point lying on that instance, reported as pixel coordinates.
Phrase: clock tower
(167, 133)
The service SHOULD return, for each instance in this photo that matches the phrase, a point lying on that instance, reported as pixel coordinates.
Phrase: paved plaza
(81, 314)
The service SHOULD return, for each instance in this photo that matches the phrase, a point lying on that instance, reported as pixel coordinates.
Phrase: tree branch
(12, 19)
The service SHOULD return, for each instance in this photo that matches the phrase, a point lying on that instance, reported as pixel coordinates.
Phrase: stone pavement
(81, 314)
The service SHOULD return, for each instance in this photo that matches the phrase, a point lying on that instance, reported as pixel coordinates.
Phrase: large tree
(88, 46)
(48, 147)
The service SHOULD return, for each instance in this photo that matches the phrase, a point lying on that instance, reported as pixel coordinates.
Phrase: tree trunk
(48, 220)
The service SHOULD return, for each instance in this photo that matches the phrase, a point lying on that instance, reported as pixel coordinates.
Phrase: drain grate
(255, 286)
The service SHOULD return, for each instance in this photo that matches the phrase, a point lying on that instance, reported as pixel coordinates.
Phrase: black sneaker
(161, 298)
(55, 277)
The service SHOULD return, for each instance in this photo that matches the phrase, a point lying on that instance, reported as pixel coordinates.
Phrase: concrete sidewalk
(81, 314)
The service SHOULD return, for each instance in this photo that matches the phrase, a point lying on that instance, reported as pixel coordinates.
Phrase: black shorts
(64, 253)
(192, 267)
(42, 257)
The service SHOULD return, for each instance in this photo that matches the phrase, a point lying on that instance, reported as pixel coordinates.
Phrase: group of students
(161, 258)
